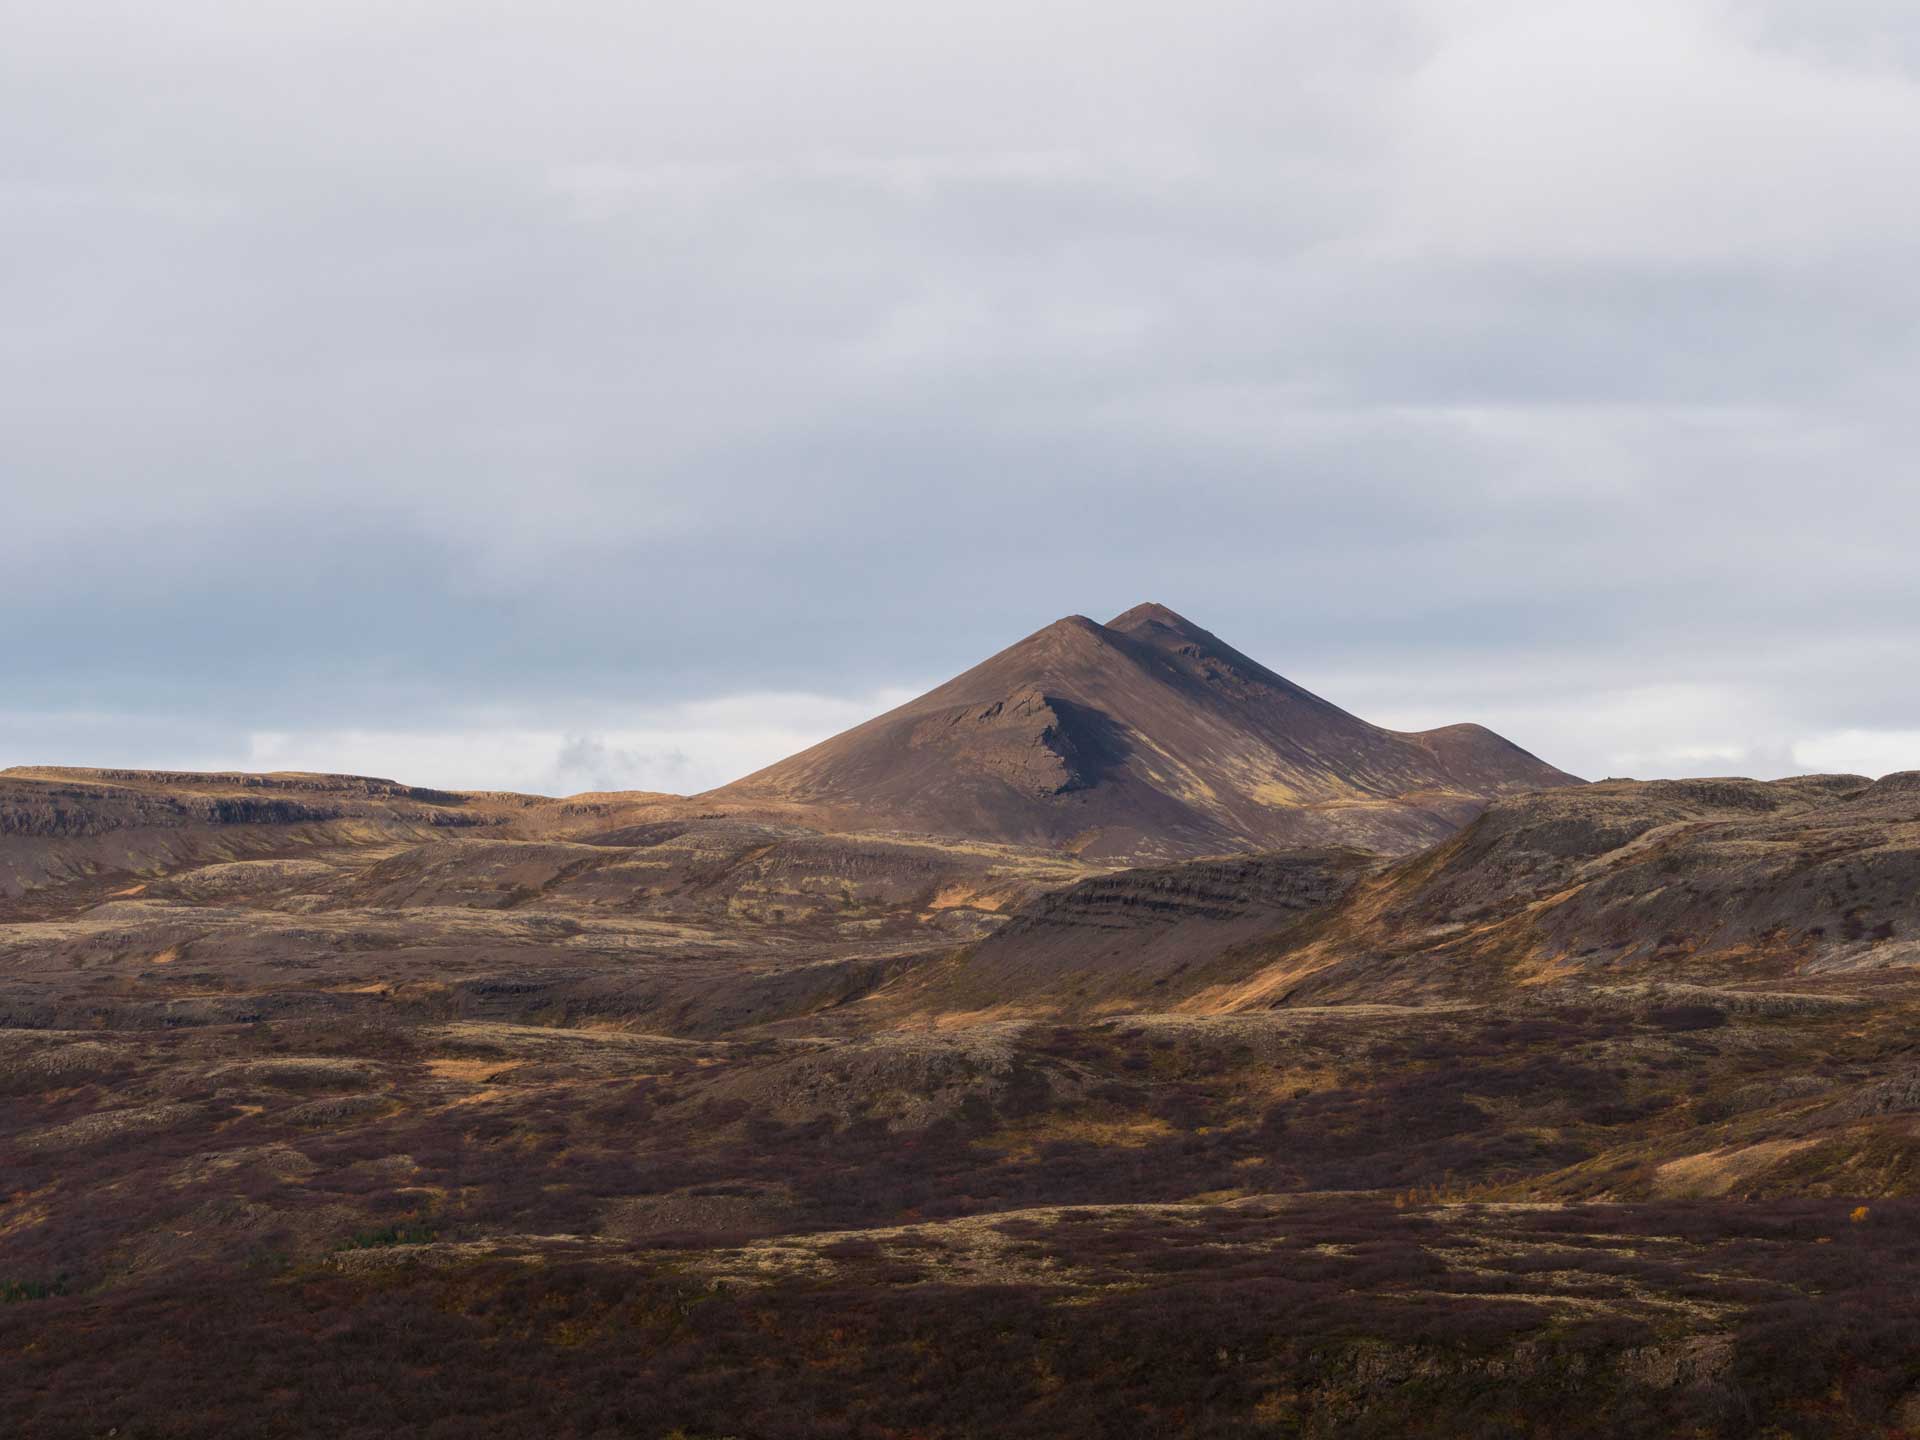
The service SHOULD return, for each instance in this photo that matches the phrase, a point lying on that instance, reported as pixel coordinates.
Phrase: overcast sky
(622, 394)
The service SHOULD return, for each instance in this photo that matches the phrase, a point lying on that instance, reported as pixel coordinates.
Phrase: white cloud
(1600, 721)
(678, 749)
(1646, 130)
(1860, 752)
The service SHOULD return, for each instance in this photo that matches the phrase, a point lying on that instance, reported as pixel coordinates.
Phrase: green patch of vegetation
(407, 1230)
(15, 1292)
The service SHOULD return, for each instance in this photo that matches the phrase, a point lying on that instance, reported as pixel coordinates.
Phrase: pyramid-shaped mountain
(1146, 736)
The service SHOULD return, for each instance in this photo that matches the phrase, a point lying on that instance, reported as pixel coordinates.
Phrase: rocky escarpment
(1202, 891)
(60, 801)
(365, 787)
(59, 824)
(70, 813)
(1135, 933)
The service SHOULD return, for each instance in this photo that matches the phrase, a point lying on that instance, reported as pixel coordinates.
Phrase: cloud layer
(597, 394)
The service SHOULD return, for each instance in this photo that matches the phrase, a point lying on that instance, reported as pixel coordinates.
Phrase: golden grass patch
(1716, 1172)
(470, 1071)
(956, 897)
(1026, 1141)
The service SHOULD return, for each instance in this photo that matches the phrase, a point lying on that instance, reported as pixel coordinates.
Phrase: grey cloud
(587, 762)
(419, 364)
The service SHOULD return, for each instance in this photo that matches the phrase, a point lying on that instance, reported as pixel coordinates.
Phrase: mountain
(1147, 736)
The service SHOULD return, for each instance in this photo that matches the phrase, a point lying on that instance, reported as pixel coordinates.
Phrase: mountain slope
(1145, 736)
(1693, 887)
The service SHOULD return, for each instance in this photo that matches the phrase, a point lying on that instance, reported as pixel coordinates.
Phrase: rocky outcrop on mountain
(1129, 936)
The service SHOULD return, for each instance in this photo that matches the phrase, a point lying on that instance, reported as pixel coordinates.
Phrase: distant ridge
(1145, 736)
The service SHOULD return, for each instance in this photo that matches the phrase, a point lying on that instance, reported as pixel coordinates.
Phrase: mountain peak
(1150, 613)
(1069, 625)
(1173, 634)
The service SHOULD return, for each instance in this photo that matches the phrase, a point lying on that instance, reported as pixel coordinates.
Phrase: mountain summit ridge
(1151, 736)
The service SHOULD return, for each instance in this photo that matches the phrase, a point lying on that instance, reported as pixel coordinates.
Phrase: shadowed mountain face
(1145, 736)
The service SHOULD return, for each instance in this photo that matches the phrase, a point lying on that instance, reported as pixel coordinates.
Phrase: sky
(594, 395)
